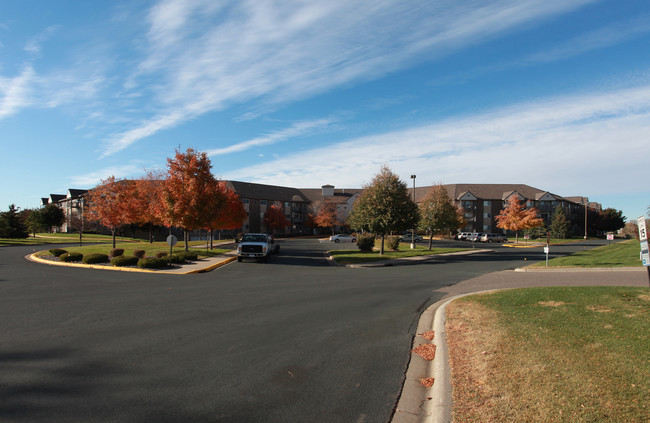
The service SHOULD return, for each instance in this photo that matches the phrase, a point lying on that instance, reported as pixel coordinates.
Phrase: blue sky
(549, 93)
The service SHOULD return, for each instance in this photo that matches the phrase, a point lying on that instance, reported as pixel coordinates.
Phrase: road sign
(172, 240)
(643, 233)
(610, 237)
(643, 237)
(645, 254)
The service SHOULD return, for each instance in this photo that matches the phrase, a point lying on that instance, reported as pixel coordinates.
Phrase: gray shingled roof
(266, 192)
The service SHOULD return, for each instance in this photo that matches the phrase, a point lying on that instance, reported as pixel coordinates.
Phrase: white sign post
(643, 238)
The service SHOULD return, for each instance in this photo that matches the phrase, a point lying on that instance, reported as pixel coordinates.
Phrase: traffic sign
(643, 233)
(172, 240)
(643, 237)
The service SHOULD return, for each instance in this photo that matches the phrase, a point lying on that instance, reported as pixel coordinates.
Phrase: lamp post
(586, 205)
(413, 232)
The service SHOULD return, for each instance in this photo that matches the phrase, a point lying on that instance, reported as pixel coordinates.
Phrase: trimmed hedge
(152, 263)
(124, 261)
(68, 257)
(392, 242)
(117, 252)
(189, 255)
(95, 258)
(56, 252)
(366, 242)
(161, 254)
(177, 259)
(139, 253)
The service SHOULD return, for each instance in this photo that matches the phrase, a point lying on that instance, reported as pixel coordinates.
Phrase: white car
(493, 238)
(343, 238)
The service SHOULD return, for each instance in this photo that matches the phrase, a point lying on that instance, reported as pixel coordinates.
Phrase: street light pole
(413, 232)
(586, 201)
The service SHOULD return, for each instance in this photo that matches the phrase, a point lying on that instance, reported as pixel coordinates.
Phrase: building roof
(266, 192)
(341, 195)
(57, 197)
(73, 193)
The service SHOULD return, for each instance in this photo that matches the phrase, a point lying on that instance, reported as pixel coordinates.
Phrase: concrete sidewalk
(418, 404)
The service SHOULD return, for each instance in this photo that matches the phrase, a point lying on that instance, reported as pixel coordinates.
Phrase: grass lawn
(355, 256)
(59, 238)
(551, 354)
(150, 248)
(620, 254)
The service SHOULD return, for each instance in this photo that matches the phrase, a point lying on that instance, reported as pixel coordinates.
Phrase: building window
(468, 204)
(487, 228)
(530, 203)
(263, 203)
(487, 215)
(245, 200)
(487, 203)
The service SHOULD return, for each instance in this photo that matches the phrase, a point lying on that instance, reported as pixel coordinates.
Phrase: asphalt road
(294, 340)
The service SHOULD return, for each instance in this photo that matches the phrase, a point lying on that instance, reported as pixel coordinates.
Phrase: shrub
(161, 254)
(56, 252)
(152, 263)
(189, 255)
(178, 259)
(366, 242)
(139, 253)
(124, 261)
(68, 257)
(392, 242)
(117, 252)
(95, 258)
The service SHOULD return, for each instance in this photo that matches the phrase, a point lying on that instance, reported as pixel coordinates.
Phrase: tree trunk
(150, 233)
(430, 241)
(113, 233)
(185, 238)
(381, 246)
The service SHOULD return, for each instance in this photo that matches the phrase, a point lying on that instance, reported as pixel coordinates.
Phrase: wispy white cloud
(206, 56)
(594, 143)
(15, 92)
(33, 46)
(93, 178)
(295, 130)
(604, 37)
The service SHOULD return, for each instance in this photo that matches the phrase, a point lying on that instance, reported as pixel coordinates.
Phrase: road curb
(411, 260)
(34, 258)
(580, 269)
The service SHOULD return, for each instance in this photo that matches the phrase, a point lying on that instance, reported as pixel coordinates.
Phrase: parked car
(407, 237)
(489, 237)
(475, 236)
(462, 236)
(343, 238)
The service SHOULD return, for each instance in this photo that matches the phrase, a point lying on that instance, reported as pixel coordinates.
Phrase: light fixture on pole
(413, 232)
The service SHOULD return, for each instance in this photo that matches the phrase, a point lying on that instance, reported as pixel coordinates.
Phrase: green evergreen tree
(384, 206)
(35, 221)
(53, 216)
(560, 225)
(12, 225)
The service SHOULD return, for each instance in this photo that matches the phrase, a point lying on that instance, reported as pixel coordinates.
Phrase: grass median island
(150, 249)
(355, 256)
(620, 254)
(551, 354)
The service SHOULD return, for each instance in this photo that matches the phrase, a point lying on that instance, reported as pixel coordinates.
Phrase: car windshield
(254, 238)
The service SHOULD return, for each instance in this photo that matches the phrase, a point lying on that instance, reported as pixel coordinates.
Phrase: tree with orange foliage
(326, 217)
(516, 217)
(143, 203)
(189, 192)
(274, 218)
(108, 203)
(230, 214)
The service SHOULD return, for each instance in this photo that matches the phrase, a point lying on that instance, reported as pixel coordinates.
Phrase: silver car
(408, 237)
(343, 238)
(493, 238)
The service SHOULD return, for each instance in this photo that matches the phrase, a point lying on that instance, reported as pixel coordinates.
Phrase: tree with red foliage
(274, 218)
(109, 203)
(326, 217)
(229, 213)
(144, 201)
(516, 217)
(189, 192)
